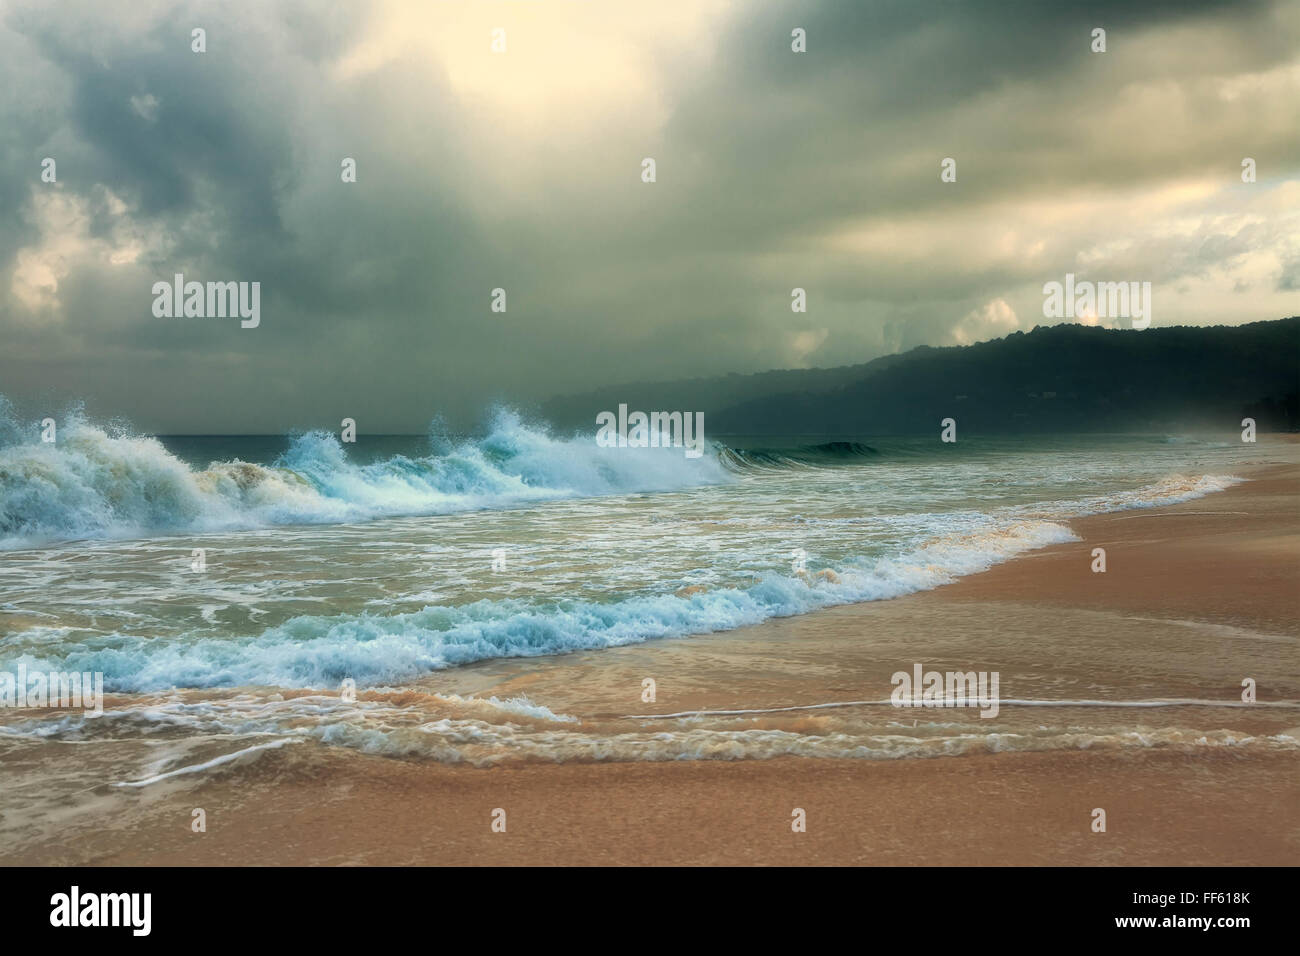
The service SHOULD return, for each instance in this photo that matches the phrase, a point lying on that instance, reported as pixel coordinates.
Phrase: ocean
(235, 591)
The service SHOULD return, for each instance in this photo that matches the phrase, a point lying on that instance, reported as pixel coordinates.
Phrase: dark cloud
(775, 170)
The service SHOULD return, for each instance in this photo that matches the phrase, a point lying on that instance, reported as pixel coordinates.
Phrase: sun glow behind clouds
(562, 55)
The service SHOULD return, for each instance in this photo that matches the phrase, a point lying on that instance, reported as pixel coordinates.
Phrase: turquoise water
(391, 558)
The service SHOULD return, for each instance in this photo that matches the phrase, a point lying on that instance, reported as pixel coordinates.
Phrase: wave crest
(97, 482)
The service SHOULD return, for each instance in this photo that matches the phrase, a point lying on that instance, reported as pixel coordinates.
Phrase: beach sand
(1195, 598)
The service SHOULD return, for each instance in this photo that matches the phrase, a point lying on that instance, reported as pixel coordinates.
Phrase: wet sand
(1195, 598)
(1002, 809)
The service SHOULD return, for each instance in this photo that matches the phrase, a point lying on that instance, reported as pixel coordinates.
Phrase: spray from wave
(103, 482)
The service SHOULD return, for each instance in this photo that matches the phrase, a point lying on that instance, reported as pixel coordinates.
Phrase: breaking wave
(375, 649)
(824, 453)
(97, 482)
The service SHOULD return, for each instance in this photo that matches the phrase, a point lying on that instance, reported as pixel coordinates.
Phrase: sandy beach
(1196, 597)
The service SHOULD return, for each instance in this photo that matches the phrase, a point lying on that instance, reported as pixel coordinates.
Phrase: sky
(522, 169)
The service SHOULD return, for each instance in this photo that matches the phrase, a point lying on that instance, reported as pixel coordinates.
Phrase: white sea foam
(321, 651)
(207, 764)
(376, 649)
(972, 702)
(480, 733)
(885, 533)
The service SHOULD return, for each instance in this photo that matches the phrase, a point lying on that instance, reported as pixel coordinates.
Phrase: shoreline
(1146, 566)
(1195, 595)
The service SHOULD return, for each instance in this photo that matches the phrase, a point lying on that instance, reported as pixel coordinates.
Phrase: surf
(101, 482)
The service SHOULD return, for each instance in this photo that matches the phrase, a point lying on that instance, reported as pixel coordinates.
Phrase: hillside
(1064, 378)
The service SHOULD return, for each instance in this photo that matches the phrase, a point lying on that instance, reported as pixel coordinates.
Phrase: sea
(239, 594)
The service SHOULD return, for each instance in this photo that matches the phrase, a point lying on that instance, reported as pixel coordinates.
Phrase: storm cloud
(522, 169)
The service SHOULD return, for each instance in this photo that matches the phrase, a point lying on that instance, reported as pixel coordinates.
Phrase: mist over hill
(1063, 378)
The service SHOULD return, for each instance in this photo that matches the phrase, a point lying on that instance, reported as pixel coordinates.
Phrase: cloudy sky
(522, 170)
